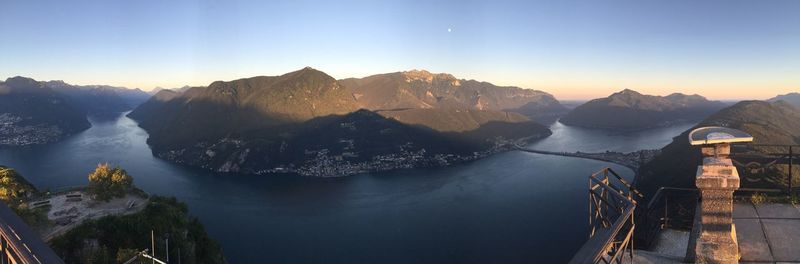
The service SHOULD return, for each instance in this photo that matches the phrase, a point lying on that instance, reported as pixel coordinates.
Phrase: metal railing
(612, 202)
(763, 169)
(767, 166)
(20, 244)
(669, 208)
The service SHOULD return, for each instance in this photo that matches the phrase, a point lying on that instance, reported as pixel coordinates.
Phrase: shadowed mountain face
(452, 120)
(307, 122)
(792, 98)
(422, 89)
(146, 110)
(99, 99)
(769, 123)
(630, 110)
(242, 106)
(32, 113)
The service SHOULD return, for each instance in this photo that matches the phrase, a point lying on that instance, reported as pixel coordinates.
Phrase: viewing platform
(766, 233)
(717, 222)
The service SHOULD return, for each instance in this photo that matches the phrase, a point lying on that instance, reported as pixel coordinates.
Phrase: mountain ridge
(631, 110)
(32, 113)
(423, 89)
(307, 122)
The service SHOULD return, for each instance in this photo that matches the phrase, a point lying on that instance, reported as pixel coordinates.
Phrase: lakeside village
(321, 163)
(12, 133)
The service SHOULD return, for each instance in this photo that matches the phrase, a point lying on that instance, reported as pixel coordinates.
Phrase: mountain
(792, 98)
(451, 120)
(153, 104)
(33, 113)
(630, 110)
(179, 90)
(769, 123)
(309, 123)
(99, 99)
(422, 89)
(246, 105)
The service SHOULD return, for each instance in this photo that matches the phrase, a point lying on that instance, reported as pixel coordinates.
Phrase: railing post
(666, 212)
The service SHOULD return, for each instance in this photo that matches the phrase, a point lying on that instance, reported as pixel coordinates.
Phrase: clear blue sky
(573, 49)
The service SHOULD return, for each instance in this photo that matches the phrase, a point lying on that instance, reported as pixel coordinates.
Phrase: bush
(106, 182)
(13, 187)
(758, 198)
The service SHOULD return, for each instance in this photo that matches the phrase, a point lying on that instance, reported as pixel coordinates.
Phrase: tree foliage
(13, 187)
(106, 182)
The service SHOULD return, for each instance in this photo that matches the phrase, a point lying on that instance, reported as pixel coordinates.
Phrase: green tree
(106, 182)
(13, 187)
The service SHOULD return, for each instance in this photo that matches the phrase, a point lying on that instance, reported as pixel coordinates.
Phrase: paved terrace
(767, 233)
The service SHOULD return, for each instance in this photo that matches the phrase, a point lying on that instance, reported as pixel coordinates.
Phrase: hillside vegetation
(115, 239)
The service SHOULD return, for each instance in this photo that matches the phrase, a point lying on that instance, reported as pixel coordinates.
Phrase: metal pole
(153, 245)
(166, 241)
(791, 163)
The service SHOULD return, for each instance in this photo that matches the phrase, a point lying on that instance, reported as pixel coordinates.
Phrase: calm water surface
(512, 207)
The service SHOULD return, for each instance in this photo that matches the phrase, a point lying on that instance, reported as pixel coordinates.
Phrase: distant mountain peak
(308, 72)
(627, 91)
(792, 98)
(629, 109)
(19, 78)
(426, 76)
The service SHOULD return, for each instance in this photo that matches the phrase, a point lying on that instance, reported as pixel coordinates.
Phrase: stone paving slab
(752, 242)
(783, 236)
(773, 210)
(671, 242)
(744, 210)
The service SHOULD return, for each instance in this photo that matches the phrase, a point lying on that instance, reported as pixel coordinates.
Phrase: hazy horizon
(575, 50)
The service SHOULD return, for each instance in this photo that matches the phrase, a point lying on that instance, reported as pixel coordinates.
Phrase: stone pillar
(716, 180)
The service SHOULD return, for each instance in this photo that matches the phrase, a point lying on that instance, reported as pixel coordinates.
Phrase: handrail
(590, 253)
(22, 245)
(621, 180)
(611, 219)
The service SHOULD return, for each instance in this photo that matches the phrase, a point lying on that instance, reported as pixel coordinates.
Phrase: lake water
(513, 207)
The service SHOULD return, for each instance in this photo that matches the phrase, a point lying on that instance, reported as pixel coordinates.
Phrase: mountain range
(420, 89)
(630, 110)
(308, 122)
(792, 98)
(99, 99)
(33, 112)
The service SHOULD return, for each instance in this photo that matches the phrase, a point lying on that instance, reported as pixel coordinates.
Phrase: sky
(573, 49)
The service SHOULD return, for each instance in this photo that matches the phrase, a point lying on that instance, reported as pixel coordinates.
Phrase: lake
(513, 207)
